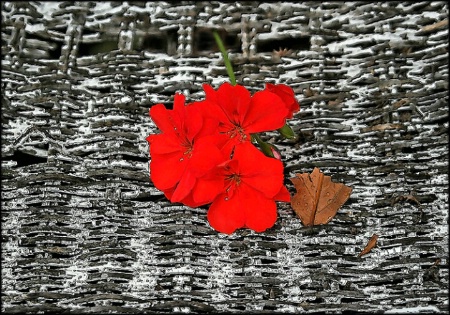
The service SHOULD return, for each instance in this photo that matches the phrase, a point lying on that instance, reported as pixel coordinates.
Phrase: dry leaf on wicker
(371, 244)
(318, 198)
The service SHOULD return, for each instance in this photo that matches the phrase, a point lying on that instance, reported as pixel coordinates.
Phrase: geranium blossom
(252, 184)
(239, 114)
(287, 95)
(204, 154)
(186, 148)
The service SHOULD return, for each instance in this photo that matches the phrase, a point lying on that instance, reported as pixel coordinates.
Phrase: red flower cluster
(204, 154)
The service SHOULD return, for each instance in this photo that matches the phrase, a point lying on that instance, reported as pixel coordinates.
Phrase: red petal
(169, 192)
(234, 101)
(193, 121)
(283, 195)
(207, 189)
(210, 93)
(206, 155)
(190, 117)
(210, 113)
(179, 104)
(287, 95)
(188, 201)
(226, 215)
(266, 112)
(162, 117)
(228, 147)
(164, 143)
(221, 107)
(184, 187)
(260, 212)
(259, 171)
(239, 102)
(166, 169)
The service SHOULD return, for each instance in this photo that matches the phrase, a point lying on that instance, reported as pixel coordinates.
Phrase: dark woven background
(84, 230)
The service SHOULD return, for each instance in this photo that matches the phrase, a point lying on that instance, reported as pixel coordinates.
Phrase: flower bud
(269, 150)
(276, 153)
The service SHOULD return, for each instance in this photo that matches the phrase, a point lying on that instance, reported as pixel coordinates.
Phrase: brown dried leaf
(371, 244)
(317, 199)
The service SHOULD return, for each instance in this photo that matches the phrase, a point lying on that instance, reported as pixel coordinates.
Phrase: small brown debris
(404, 198)
(407, 50)
(383, 127)
(308, 92)
(432, 273)
(432, 27)
(437, 262)
(282, 52)
(400, 103)
(371, 244)
(413, 200)
(335, 102)
(271, 294)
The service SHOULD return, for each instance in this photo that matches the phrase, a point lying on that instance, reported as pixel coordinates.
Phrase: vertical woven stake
(72, 40)
(244, 37)
(181, 40)
(126, 36)
(189, 41)
(252, 32)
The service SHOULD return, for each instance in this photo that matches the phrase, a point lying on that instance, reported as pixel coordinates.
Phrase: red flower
(252, 184)
(287, 95)
(204, 154)
(185, 150)
(240, 114)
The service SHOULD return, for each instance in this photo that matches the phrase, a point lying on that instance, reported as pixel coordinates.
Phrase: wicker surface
(84, 230)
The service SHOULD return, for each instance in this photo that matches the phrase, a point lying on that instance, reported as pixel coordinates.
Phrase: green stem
(265, 147)
(225, 58)
(256, 137)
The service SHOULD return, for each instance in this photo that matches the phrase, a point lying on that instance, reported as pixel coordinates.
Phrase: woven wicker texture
(83, 228)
